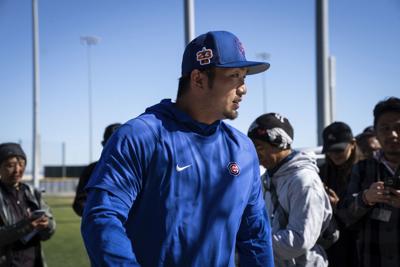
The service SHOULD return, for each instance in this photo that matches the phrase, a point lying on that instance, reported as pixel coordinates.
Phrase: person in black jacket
(372, 199)
(80, 196)
(341, 153)
(25, 219)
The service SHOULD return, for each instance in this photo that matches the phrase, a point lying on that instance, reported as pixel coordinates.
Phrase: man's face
(12, 170)
(265, 155)
(373, 144)
(226, 92)
(388, 133)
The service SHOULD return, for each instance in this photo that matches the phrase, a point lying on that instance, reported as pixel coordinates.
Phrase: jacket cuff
(362, 201)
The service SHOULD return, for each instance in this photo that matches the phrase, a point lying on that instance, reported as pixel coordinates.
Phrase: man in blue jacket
(177, 186)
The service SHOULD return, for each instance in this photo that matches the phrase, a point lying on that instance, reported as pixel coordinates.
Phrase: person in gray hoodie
(295, 198)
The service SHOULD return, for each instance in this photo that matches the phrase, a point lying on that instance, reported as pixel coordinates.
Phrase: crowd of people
(177, 186)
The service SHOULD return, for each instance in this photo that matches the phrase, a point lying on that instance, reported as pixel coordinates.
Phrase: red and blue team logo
(240, 47)
(233, 168)
(204, 56)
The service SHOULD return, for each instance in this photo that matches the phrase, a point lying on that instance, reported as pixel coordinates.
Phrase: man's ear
(197, 79)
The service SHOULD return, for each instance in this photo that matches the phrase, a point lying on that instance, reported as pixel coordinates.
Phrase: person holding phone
(372, 199)
(25, 219)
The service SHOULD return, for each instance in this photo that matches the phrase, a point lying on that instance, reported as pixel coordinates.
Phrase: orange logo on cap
(204, 56)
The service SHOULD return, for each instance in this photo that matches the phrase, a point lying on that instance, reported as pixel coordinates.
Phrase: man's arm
(363, 192)
(112, 190)
(103, 230)
(11, 233)
(254, 237)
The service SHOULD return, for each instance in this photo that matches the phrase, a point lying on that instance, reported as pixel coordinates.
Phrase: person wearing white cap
(296, 201)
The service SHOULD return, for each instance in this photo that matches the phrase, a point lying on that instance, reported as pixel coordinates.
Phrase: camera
(394, 181)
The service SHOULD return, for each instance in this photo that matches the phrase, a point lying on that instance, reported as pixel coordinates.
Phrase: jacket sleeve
(11, 233)
(254, 237)
(45, 234)
(307, 205)
(354, 207)
(112, 190)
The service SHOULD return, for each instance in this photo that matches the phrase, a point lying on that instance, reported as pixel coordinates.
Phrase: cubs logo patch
(233, 168)
(204, 56)
(240, 47)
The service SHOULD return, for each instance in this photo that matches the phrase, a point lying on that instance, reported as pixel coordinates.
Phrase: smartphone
(394, 181)
(36, 214)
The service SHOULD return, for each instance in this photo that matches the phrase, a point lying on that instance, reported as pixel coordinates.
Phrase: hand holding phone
(394, 181)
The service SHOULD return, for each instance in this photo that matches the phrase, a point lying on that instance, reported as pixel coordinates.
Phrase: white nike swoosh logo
(179, 169)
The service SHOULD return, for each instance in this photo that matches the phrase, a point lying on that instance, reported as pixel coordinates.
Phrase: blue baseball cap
(218, 49)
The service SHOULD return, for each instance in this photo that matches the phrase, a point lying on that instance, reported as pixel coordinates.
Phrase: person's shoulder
(145, 125)
(26, 186)
(304, 174)
(366, 168)
(87, 171)
(31, 190)
(305, 177)
(367, 163)
(301, 163)
(236, 134)
(142, 121)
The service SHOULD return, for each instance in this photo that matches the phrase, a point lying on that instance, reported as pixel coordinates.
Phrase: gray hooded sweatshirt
(306, 212)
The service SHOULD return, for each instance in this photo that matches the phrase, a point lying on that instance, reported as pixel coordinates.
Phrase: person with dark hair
(373, 196)
(177, 186)
(81, 195)
(367, 142)
(341, 153)
(25, 219)
(294, 195)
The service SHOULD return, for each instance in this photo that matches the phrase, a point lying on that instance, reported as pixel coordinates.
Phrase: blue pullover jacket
(170, 191)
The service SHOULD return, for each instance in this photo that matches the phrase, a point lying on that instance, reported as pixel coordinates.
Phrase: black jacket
(11, 231)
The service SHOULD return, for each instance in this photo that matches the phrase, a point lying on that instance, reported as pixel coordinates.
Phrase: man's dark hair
(183, 85)
(184, 81)
(108, 131)
(391, 104)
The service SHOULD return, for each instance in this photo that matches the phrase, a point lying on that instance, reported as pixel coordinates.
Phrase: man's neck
(392, 160)
(281, 159)
(195, 110)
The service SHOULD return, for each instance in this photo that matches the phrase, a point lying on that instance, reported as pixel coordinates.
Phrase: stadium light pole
(89, 41)
(36, 96)
(189, 20)
(322, 68)
(264, 56)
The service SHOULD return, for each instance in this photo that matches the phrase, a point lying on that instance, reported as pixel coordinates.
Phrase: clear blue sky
(137, 63)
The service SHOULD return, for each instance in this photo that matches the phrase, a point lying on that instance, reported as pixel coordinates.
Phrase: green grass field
(65, 248)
